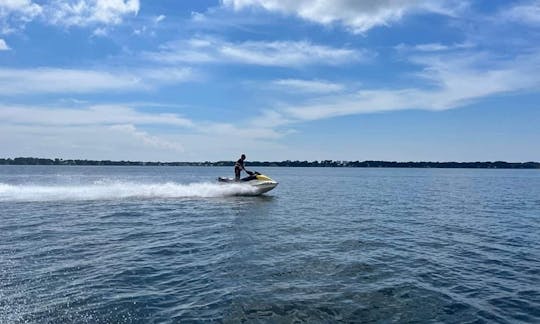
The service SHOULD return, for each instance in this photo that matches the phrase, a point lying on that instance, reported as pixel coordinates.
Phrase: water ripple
(351, 245)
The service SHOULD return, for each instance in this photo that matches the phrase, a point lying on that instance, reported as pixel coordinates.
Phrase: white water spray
(120, 190)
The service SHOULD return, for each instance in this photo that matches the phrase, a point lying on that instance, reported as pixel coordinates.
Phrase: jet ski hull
(264, 187)
(258, 182)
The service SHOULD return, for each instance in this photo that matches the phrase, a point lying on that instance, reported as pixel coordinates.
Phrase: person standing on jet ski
(239, 166)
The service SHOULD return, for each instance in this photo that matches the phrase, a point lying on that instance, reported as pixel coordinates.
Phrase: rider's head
(243, 157)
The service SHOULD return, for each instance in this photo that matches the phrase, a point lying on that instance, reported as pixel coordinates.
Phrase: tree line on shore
(287, 163)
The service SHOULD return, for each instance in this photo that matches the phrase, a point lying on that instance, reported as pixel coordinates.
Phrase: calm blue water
(166, 244)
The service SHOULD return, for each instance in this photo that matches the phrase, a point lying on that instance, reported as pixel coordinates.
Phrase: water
(166, 244)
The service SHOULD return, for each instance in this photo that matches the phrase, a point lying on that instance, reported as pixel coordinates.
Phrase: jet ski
(259, 182)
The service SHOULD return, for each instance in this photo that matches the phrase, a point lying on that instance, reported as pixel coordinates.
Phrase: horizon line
(284, 163)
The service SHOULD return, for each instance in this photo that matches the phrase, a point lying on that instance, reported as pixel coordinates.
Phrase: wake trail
(120, 190)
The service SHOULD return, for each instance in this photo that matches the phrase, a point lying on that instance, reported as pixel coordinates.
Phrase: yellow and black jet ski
(259, 182)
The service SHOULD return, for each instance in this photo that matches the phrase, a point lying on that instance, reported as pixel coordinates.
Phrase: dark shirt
(239, 164)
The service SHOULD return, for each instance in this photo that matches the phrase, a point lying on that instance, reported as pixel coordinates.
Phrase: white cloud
(15, 13)
(117, 142)
(88, 12)
(252, 131)
(368, 101)
(150, 26)
(167, 75)
(276, 53)
(26, 8)
(93, 115)
(433, 47)
(272, 118)
(160, 18)
(147, 139)
(197, 16)
(455, 81)
(104, 131)
(525, 12)
(116, 132)
(357, 16)
(307, 86)
(56, 80)
(140, 31)
(100, 32)
(53, 80)
(3, 45)
(114, 115)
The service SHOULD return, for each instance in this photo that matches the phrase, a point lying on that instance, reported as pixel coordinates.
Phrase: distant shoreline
(324, 163)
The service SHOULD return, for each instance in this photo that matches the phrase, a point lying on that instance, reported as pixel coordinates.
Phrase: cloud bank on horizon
(277, 79)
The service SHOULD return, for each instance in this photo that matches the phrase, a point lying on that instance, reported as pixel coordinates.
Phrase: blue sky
(411, 80)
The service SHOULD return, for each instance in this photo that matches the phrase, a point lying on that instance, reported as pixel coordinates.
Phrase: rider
(239, 166)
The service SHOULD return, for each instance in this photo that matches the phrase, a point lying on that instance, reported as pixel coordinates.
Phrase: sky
(168, 80)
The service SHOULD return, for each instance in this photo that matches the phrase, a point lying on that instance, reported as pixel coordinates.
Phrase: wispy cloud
(147, 139)
(3, 45)
(434, 47)
(54, 80)
(453, 81)
(240, 130)
(100, 32)
(91, 115)
(98, 132)
(527, 12)
(356, 16)
(88, 131)
(89, 142)
(57, 80)
(307, 86)
(89, 12)
(14, 14)
(117, 114)
(159, 18)
(275, 53)
(26, 8)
